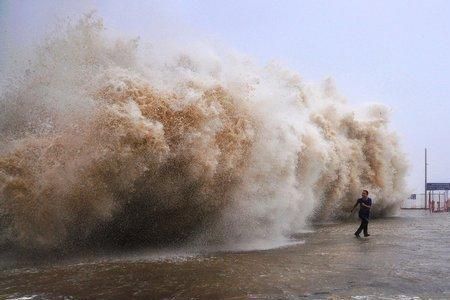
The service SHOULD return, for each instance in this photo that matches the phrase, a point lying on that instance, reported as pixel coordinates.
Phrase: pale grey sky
(393, 52)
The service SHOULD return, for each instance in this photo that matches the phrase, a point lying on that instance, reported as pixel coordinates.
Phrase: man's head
(365, 193)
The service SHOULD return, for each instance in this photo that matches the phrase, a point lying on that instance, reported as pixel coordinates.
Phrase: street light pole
(425, 194)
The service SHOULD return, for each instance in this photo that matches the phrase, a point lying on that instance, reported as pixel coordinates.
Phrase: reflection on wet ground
(407, 257)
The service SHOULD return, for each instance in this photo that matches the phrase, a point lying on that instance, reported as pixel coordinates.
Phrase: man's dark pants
(363, 226)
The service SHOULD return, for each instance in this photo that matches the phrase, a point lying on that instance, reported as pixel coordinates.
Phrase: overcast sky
(393, 52)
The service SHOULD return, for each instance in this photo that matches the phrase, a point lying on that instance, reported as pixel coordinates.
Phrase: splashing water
(104, 141)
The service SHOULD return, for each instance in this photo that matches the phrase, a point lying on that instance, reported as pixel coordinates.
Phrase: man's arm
(356, 204)
(369, 203)
(368, 206)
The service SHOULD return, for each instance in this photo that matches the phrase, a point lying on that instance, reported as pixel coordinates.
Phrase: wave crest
(103, 143)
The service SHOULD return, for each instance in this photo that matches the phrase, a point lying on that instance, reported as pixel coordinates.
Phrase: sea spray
(104, 141)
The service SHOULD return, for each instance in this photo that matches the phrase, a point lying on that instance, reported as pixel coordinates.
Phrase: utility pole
(425, 194)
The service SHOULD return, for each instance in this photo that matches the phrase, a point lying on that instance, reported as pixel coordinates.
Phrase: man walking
(364, 212)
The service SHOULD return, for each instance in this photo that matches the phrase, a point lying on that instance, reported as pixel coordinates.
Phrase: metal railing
(435, 202)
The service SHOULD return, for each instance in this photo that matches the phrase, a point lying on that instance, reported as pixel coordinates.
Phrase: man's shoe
(357, 235)
(366, 235)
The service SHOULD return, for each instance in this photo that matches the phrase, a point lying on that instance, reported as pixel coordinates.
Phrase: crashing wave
(103, 140)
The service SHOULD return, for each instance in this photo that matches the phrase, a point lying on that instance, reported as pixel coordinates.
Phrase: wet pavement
(406, 257)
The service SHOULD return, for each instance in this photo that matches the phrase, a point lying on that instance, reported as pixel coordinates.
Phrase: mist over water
(106, 142)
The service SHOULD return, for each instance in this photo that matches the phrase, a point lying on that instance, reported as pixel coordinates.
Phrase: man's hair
(367, 192)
